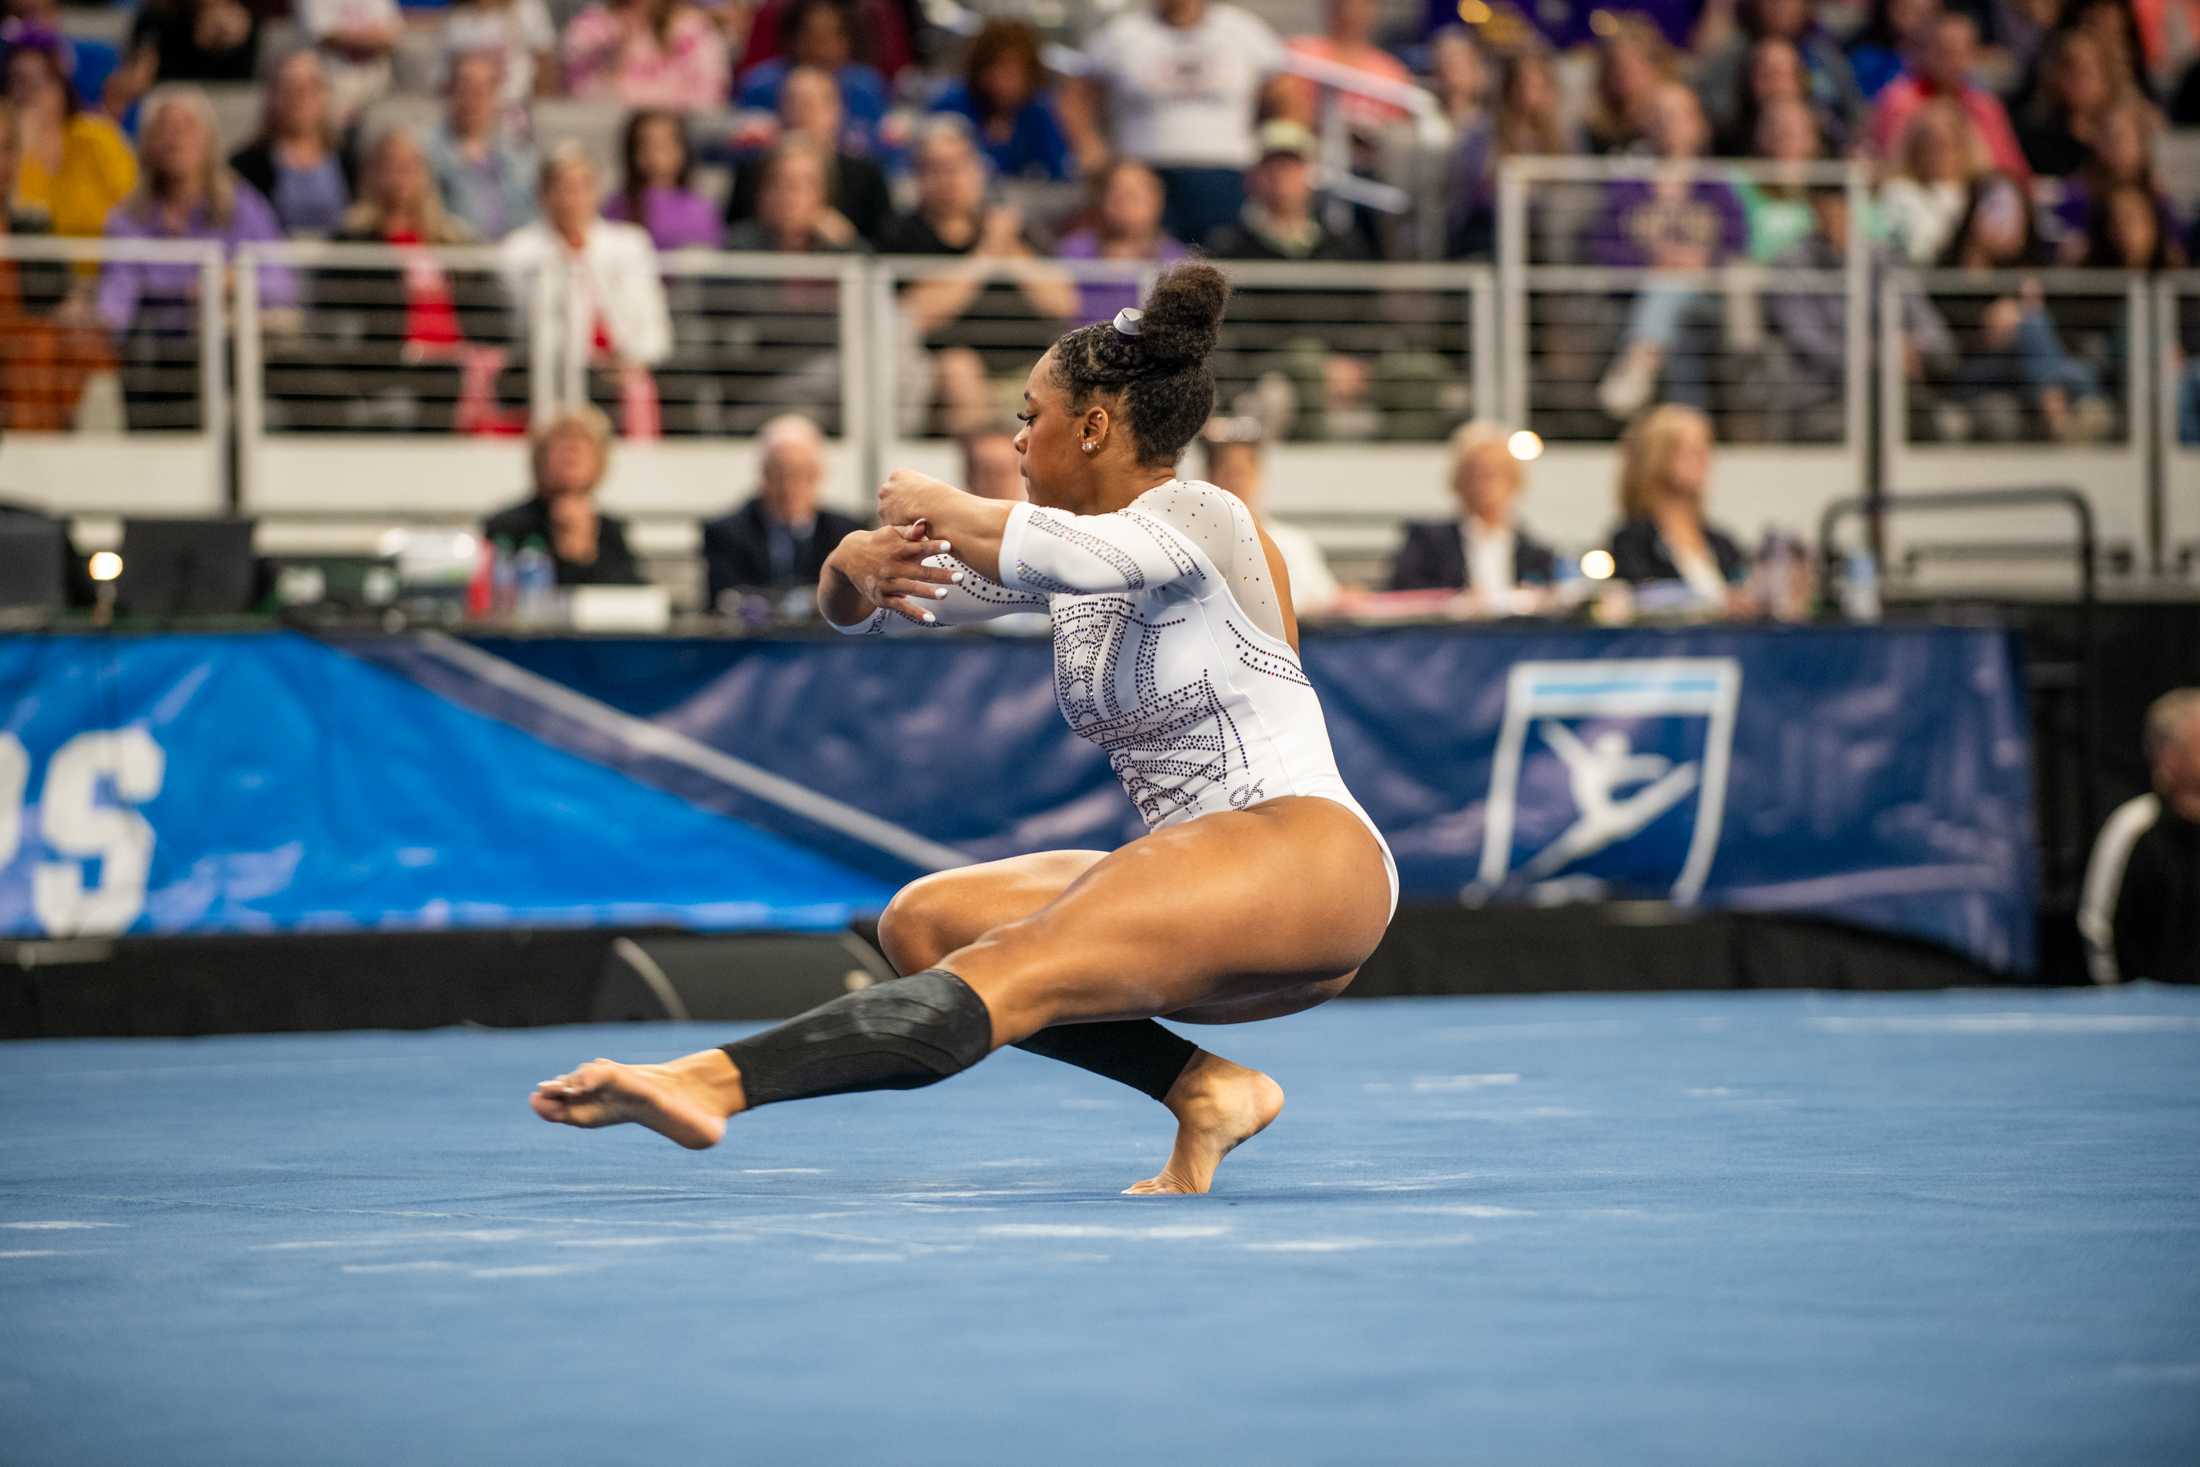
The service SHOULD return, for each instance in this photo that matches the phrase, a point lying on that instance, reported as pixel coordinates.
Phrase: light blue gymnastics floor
(1769, 1228)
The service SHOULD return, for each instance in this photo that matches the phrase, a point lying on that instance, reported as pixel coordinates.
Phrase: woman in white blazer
(594, 296)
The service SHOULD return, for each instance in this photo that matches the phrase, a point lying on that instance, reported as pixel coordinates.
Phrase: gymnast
(1260, 885)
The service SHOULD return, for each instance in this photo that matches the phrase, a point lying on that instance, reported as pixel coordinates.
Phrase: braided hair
(1160, 369)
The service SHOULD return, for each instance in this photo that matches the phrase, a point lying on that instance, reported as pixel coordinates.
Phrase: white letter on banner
(75, 824)
(15, 778)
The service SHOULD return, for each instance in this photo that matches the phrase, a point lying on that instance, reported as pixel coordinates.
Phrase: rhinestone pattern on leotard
(1168, 749)
(1093, 545)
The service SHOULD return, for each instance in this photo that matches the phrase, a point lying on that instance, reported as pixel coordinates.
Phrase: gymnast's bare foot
(1218, 1107)
(686, 1101)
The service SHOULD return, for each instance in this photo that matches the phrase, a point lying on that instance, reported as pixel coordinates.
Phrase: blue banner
(1880, 776)
(263, 782)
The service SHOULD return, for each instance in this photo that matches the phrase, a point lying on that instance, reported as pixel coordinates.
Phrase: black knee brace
(894, 1036)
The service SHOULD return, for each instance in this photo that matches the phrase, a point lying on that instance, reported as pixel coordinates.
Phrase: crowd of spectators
(2002, 137)
(2001, 134)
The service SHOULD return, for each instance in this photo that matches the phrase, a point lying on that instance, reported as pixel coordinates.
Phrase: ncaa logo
(1613, 770)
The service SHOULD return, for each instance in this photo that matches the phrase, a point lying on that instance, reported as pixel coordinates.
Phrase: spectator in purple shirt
(655, 191)
(1124, 226)
(185, 192)
(1676, 220)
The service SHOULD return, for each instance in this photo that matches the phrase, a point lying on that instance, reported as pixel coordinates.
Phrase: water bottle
(1781, 572)
(503, 579)
(1769, 577)
(1860, 586)
(534, 582)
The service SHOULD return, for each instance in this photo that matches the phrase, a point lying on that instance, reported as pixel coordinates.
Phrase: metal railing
(338, 352)
(1981, 371)
(161, 305)
(125, 342)
(2175, 525)
(1391, 352)
(1594, 327)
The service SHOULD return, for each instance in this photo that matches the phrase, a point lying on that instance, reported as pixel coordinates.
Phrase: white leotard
(1169, 651)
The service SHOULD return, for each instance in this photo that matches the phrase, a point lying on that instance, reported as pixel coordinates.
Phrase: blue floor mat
(1759, 1228)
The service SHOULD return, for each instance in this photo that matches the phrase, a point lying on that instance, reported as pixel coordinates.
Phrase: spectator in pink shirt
(1942, 68)
(646, 53)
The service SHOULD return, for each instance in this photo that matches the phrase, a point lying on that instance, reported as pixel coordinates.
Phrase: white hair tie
(1129, 321)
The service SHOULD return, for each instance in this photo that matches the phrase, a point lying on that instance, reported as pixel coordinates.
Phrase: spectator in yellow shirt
(76, 164)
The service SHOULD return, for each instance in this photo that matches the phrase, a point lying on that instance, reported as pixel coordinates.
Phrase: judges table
(277, 781)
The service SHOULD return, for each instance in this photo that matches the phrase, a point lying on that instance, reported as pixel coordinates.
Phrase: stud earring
(1088, 445)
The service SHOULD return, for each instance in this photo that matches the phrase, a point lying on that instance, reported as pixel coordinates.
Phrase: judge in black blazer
(587, 547)
(1483, 551)
(1665, 464)
(780, 538)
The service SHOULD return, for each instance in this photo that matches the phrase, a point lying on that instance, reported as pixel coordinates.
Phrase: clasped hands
(889, 566)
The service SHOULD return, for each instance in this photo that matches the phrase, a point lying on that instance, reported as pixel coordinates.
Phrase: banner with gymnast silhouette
(1875, 775)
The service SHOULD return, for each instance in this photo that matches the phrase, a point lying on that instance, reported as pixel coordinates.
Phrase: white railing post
(883, 380)
(1894, 420)
(538, 311)
(214, 363)
(1856, 298)
(251, 382)
(2168, 424)
(1512, 266)
(1482, 344)
(858, 401)
(2138, 402)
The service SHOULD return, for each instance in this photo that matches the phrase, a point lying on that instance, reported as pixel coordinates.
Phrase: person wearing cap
(1278, 221)
(1326, 354)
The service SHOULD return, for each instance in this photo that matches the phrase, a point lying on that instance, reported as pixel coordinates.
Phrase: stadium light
(1597, 565)
(105, 566)
(1525, 446)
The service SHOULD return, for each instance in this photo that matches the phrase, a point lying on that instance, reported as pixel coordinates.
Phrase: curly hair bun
(1184, 313)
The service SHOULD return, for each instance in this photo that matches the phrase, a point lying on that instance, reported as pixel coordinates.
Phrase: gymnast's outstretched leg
(1237, 915)
(1218, 1104)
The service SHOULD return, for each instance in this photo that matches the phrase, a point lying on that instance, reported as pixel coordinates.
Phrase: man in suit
(780, 538)
(1484, 552)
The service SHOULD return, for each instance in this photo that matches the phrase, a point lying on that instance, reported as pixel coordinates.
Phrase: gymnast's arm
(1029, 548)
(893, 578)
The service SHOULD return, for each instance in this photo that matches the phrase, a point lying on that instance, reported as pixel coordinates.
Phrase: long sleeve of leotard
(974, 599)
(1157, 541)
